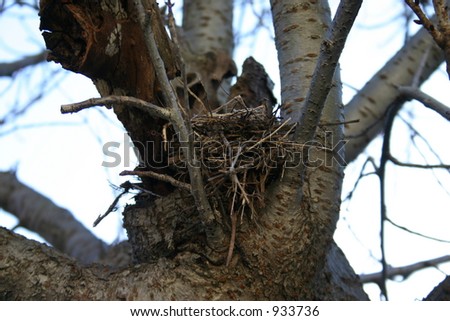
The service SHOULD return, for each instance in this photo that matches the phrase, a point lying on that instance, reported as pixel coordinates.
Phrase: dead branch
(158, 176)
(107, 101)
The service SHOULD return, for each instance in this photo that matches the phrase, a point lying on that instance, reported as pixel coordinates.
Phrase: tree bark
(55, 224)
(382, 90)
(286, 252)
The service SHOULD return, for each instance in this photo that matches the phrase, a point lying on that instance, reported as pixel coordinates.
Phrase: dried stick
(158, 176)
(143, 105)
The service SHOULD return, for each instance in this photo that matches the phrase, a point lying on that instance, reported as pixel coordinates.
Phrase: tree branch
(33, 271)
(7, 69)
(145, 106)
(404, 271)
(422, 166)
(330, 52)
(381, 91)
(161, 177)
(426, 100)
(55, 224)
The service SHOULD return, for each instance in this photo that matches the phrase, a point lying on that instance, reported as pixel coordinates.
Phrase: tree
(227, 209)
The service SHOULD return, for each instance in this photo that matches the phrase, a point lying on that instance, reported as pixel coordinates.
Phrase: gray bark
(381, 91)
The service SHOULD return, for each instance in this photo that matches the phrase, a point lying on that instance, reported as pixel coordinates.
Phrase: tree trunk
(284, 250)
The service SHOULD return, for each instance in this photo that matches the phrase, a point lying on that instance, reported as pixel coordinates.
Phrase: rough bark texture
(440, 292)
(34, 271)
(285, 253)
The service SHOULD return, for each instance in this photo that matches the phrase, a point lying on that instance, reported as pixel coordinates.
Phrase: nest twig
(240, 153)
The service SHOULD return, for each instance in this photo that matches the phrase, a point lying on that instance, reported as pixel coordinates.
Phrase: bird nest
(240, 153)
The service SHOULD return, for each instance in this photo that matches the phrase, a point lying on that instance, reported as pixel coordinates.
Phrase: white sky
(64, 162)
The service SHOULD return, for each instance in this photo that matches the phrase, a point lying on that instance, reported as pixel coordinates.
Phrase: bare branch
(55, 224)
(441, 33)
(422, 166)
(423, 20)
(7, 69)
(186, 135)
(330, 52)
(143, 105)
(404, 271)
(371, 102)
(426, 100)
(158, 176)
(416, 233)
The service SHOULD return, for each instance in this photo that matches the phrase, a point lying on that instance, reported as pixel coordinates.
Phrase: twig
(270, 135)
(381, 173)
(441, 33)
(125, 100)
(420, 166)
(158, 176)
(404, 271)
(110, 209)
(179, 57)
(416, 233)
(232, 238)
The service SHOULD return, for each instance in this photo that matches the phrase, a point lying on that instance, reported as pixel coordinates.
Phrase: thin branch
(426, 100)
(420, 166)
(107, 101)
(110, 209)
(330, 52)
(381, 172)
(158, 176)
(404, 271)
(441, 33)
(423, 20)
(416, 233)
